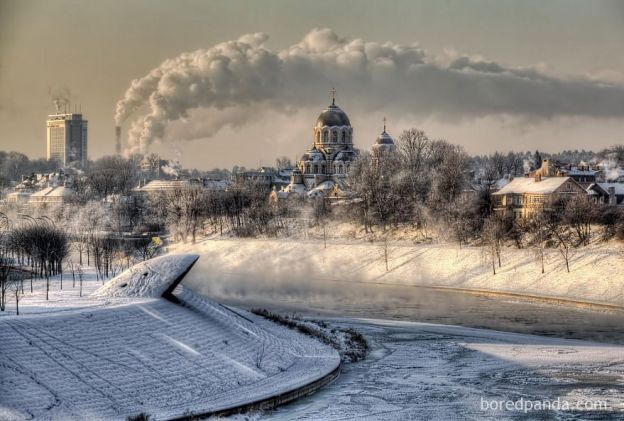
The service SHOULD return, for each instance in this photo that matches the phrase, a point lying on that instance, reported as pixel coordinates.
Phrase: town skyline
(94, 69)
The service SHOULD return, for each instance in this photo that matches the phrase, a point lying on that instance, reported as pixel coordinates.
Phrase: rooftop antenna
(333, 94)
(384, 124)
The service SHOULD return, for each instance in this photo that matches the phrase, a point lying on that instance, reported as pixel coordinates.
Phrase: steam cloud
(235, 78)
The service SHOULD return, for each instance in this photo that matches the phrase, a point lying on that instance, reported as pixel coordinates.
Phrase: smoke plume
(244, 75)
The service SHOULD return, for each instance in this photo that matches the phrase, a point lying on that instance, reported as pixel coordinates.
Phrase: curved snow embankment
(597, 272)
(150, 355)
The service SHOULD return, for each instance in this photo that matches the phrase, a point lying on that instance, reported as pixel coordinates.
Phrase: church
(325, 165)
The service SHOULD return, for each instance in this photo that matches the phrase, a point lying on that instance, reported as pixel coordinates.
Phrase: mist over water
(288, 283)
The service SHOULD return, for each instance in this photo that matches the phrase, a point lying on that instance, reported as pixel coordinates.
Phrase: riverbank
(596, 276)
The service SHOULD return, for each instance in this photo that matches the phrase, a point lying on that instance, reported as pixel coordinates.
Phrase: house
(18, 196)
(524, 197)
(607, 193)
(51, 196)
(581, 174)
(164, 186)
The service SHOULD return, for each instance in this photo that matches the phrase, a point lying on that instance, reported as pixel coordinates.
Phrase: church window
(316, 169)
(325, 136)
(344, 136)
(334, 136)
(307, 168)
(323, 169)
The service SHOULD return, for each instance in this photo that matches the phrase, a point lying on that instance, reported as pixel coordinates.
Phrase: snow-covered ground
(105, 357)
(436, 372)
(597, 271)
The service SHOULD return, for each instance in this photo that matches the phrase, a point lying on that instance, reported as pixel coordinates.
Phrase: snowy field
(435, 372)
(597, 271)
(106, 357)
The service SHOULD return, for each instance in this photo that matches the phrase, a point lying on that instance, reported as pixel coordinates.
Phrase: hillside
(597, 271)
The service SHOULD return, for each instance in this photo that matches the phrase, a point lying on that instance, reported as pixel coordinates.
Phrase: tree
(537, 159)
(579, 214)
(493, 239)
(559, 231)
(283, 163)
(111, 175)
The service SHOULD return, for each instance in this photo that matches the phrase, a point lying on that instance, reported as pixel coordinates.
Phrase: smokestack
(118, 140)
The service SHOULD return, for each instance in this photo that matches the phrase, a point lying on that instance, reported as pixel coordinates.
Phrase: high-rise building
(67, 138)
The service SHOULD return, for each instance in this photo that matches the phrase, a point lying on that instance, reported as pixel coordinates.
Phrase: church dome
(384, 141)
(333, 116)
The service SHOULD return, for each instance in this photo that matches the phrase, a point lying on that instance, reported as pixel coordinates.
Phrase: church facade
(324, 166)
(332, 151)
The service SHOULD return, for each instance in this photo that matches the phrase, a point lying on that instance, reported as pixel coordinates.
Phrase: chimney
(118, 140)
(538, 177)
(612, 198)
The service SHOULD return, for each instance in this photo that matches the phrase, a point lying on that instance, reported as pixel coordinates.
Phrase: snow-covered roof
(523, 185)
(60, 191)
(162, 185)
(322, 189)
(618, 187)
(574, 171)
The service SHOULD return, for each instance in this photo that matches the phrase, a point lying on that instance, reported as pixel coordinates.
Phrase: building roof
(574, 171)
(60, 191)
(163, 185)
(618, 188)
(332, 116)
(523, 185)
(322, 189)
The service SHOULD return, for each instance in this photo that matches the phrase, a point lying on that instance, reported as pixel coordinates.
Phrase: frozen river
(419, 304)
(419, 369)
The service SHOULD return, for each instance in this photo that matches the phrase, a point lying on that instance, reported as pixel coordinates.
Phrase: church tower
(332, 151)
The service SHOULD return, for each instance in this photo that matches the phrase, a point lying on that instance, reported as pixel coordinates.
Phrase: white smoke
(610, 168)
(244, 75)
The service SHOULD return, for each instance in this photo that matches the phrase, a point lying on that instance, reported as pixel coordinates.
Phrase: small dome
(333, 116)
(384, 139)
(384, 142)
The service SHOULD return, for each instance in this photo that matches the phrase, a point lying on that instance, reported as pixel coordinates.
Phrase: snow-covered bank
(123, 356)
(597, 271)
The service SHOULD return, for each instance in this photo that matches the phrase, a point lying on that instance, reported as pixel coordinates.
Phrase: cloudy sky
(218, 83)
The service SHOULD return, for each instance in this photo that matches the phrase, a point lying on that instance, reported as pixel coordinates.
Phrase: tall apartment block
(67, 138)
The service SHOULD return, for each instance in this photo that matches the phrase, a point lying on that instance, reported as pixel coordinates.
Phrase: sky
(220, 83)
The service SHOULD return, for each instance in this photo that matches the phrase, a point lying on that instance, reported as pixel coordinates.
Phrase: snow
(597, 272)
(118, 353)
(522, 185)
(438, 372)
(149, 279)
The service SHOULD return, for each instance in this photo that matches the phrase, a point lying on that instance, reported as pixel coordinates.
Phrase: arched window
(325, 136)
(334, 136)
(348, 168)
(315, 169)
(344, 136)
(307, 169)
(323, 169)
